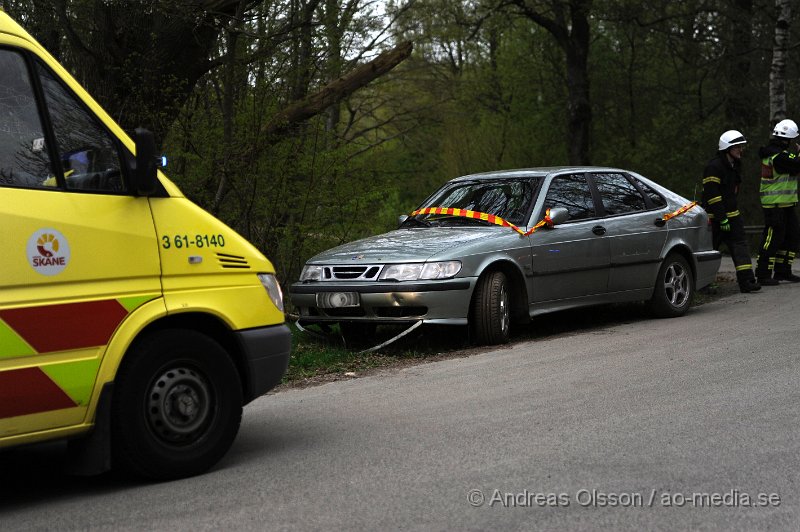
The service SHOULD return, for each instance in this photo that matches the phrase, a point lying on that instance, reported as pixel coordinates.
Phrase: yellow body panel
(85, 273)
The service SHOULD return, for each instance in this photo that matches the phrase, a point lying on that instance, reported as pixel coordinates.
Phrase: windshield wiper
(462, 220)
(414, 219)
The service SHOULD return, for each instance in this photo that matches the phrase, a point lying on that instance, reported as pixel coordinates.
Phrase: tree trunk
(777, 73)
(739, 108)
(337, 90)
(580, 108)
(573, 37)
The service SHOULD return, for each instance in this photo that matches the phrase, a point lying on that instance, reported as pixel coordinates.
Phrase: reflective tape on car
(682, 210)
(491, 218)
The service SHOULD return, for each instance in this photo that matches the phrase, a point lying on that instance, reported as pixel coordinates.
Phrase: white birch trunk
(777, 73)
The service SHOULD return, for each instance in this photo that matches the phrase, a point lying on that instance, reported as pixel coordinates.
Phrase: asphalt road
(598, 428)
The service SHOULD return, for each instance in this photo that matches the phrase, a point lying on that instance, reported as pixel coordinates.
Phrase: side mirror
(144, 176)
(559, 215)
(400, 219)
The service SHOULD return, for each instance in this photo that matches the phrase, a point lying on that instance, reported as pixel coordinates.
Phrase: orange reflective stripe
(496, 220)
(680, 211)
(464, 213)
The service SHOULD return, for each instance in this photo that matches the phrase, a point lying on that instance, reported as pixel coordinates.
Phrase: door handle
(599, 230)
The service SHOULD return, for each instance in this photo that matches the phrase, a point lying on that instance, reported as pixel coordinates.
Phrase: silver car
(494, 249)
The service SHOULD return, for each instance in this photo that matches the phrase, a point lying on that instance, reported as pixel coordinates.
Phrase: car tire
(177, 406)
(357, 332)
(490, 315)
(674, 288)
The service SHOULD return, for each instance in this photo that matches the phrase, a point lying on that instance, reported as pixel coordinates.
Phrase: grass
(322, 356)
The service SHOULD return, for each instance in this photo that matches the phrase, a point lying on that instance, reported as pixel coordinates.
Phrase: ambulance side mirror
(144, 178)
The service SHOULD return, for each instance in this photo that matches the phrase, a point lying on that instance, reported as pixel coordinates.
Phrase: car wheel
(491, 312)
(674, 288)
(177, 406)
(357, 332)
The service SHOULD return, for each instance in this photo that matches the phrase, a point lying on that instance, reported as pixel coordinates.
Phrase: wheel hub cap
(179, 405)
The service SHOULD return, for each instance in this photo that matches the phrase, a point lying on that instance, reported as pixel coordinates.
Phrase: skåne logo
(48, 251)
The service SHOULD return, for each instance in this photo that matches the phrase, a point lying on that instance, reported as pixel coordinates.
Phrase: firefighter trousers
(779, 243)
(736, 242)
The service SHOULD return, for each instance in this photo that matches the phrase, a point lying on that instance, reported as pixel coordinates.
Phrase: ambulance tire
(177, 406)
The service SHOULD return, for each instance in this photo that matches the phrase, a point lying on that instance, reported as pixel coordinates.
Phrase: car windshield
(510, 199)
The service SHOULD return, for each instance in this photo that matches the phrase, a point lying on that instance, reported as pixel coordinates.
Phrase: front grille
(346, 312)
(365, 272)
(232, 261)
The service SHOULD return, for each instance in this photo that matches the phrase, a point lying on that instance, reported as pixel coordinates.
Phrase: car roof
(536, 172)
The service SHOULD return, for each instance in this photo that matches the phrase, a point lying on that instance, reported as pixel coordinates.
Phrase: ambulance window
(88, 152)
(24, 161)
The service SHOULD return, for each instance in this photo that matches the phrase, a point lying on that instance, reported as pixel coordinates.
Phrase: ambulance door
(79, 253)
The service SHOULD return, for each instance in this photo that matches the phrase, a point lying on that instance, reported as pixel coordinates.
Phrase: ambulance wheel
(177, 406)
(490, 316)
(674, 288)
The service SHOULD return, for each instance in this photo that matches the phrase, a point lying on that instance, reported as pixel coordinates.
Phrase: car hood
(404, 245)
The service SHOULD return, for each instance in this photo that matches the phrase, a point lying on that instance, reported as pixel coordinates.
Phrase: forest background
(304, 124)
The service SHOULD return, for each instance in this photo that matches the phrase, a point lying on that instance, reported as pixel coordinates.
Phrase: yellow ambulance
(133, 324)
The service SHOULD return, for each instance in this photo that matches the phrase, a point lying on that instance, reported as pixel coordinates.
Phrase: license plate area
(338, 300)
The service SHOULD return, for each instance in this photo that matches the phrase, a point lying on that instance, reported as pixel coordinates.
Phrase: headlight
(311, 273)
(440, 270)
(415, 271)
(273, 289)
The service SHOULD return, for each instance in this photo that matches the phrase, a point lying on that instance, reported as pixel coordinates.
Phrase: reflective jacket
(721, 180)
(779, 171)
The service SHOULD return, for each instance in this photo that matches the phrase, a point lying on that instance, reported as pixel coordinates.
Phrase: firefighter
(721, 179)
(780, 166)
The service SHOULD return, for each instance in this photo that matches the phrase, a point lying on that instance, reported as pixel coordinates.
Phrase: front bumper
(266, 355)
(443, 302)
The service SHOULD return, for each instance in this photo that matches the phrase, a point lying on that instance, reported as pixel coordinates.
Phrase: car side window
(619, 195)
(89, 154)
(24, 160)
(571, 191)
(655, 197)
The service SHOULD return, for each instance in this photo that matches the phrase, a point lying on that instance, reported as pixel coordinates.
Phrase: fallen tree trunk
(336, 90)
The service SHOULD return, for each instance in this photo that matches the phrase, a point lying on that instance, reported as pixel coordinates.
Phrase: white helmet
(786, 129)
(731, 138)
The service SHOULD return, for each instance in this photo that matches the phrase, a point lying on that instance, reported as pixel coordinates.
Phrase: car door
(635, 239)
(570, 260)
(79, 253)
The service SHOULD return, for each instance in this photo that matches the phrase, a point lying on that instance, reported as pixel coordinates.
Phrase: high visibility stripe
(491, 218)
(711, 179)
(768, 240)
(11, 345)
(35, 330)
(66, 326)
(132, 303)
(733, 214)
(76, 379)
(744, 267)
(682, 210)
(776, 188)
(715, 199)
(30, 391)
